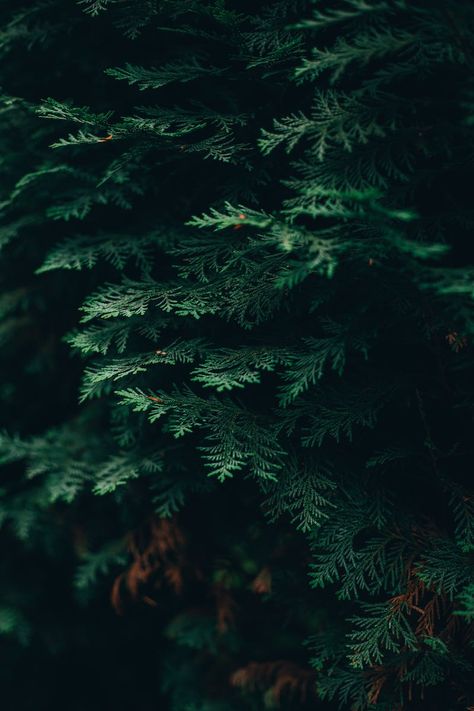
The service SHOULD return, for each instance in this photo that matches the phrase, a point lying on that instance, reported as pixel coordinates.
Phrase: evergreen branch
(184, 70)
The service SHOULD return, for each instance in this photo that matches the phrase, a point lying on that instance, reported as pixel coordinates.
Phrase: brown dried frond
(296, 682)
(263, 582)
(225, 608)
(429, 615)
(456, 341)
(158, 556)
(428, 605)
(174, 576)
(379, 676)
(409, 599)
(257, 675)
(432, 614)
(116, 595)
(278, 678)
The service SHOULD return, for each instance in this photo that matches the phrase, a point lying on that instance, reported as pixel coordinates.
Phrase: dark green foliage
(236, 323)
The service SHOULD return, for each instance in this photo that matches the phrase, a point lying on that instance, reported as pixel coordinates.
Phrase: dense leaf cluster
(236, 322)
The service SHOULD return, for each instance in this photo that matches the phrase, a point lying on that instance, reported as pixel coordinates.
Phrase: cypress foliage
(236, 292)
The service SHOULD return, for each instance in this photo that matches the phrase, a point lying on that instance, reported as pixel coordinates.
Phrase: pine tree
(237, 325)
